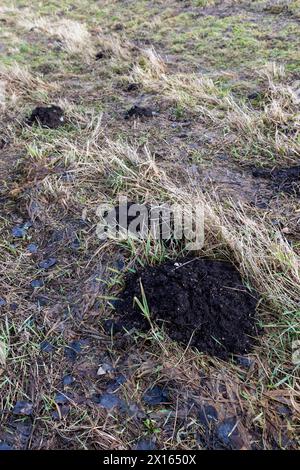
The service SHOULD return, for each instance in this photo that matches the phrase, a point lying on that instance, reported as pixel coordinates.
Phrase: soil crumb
(49, 116)
(285, 180)
(199, 302)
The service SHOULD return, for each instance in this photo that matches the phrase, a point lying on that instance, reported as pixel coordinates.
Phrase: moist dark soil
(119, 27)
(133, 87)
(285, 180)
(139, 111)
(49, 116)
(198, 302)
(102, 55)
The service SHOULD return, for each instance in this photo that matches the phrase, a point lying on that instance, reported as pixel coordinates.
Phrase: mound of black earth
(198, 302)
(139, 112)
(48, 116)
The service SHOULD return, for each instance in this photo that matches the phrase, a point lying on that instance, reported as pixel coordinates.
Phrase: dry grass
(264, 128)
(113, 45)
(73, 35)
(18, 83)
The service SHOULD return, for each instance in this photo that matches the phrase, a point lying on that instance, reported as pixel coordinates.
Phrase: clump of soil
(139, 111)
(118, 27)
(133, 87)
(199, 302)
(102, 55)
(254, 95)
(285, 180)
(48, 116)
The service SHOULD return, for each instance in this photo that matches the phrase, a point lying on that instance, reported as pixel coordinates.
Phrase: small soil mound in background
(133, 87)
(139, 112)
(201, 303)
(49, 116)
(102, 55)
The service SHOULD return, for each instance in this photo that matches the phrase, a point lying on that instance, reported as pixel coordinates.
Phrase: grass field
(222, 79)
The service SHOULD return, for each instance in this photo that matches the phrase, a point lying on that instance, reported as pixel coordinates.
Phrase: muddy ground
(71, 376)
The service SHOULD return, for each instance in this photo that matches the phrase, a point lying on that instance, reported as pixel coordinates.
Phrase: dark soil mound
(282, 179)
(49, 116)
(133, 87)
(139, 111)
(198, 302)
(102, 55)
